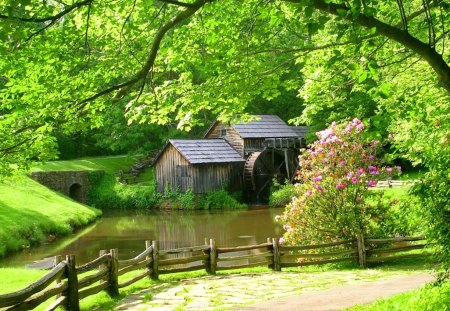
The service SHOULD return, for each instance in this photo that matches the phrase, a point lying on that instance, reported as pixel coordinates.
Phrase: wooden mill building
(242, 156)
(199, 164)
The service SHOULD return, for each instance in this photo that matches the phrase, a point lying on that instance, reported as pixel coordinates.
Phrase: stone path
(280, 291)
(343, 297)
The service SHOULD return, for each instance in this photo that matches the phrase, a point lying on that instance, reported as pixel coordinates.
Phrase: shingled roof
(265, 126)
(198, 151)
(300, 130)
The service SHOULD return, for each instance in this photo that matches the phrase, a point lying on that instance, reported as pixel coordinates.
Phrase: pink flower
(390, 136)
(318, 178)
(374, 172)
(372, 168)
(389, 170)
(308, 193)
(330, 154)
(399, 168)
(371, 157)
(360, 171)
(356, 121)
(354, 180)
(359, 128)
(341, 186)
(372, 183)
(342, 163)
(281, 240)
(318, 187)
(324, 160)
(277, 218)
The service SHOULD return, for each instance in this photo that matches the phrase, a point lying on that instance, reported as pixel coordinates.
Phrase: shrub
(333, 199)
(433, 193)
(108, 193)
(282, 195)
(220, 199)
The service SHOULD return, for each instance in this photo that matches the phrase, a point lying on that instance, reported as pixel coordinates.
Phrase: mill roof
(300, 130)
(198, 151)
(265, 126)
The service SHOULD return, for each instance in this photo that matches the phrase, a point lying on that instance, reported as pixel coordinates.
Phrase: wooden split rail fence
(69, 284)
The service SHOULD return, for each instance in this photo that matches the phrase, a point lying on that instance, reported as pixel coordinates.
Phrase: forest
(97, 77)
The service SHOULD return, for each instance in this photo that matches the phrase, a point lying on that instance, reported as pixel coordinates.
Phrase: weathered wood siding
(209, 177)
(253, 144)
(232, 137)
(173, 170)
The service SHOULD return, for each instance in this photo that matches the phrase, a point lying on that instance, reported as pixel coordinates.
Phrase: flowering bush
(333, 197)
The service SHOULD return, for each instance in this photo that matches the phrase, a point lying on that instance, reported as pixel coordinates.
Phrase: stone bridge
(74, 184)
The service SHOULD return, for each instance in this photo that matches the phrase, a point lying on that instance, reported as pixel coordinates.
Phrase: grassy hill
(110, 164)
(29, 212)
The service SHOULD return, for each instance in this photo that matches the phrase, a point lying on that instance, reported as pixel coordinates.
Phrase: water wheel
(260, 169)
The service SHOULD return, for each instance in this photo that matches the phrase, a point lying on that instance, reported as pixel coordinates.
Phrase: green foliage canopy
(65, 64)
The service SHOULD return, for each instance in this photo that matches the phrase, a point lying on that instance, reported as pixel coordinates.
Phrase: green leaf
(313, 28)
(342, 12)
(362, 77)
(309, 10)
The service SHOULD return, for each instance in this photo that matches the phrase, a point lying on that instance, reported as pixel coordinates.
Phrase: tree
(63, 64)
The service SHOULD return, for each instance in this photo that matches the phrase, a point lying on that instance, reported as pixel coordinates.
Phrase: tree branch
(427, 52)
(183, 4)
(52, 18)
(125, 87)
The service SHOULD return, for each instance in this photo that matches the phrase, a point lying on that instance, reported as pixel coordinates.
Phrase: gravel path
(328, 290)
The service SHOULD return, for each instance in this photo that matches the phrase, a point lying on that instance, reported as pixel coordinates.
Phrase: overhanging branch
(52, 18)
(125, 87)
(427, 52)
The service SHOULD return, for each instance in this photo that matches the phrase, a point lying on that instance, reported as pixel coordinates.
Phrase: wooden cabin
(242, 156)
(202, 165)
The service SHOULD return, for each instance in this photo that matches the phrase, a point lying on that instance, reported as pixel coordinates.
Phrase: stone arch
(76, 192)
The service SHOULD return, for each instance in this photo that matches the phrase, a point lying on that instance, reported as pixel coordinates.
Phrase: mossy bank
(31, 213)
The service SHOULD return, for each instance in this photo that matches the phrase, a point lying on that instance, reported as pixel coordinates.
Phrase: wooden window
(223, 131)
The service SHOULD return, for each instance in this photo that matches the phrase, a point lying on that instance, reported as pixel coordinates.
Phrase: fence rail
(69, 284)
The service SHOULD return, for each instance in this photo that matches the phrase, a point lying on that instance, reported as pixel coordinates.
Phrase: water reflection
(127, 230)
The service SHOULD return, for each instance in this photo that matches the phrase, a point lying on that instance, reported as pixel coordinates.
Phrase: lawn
(29, 212)
(430, 297)
(110, 164)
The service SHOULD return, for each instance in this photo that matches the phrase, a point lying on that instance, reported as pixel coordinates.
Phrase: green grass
(30, 211)
(430, 297)
(309, 278)
(14, 279)
(109, 164)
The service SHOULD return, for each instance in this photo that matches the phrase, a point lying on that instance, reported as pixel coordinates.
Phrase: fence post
(155, 263)
(276, 255)
(150, 255)
(103, 266)
(58, 259)
(270, 248)
(207, 261)
(73, 303)
(113, 289)
(361, 250)
(212, 256)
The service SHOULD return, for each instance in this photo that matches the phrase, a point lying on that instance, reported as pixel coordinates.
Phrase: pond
(127, 230)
